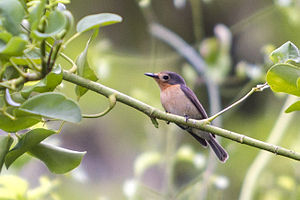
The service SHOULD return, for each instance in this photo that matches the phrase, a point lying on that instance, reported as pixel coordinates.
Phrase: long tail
(218, 149)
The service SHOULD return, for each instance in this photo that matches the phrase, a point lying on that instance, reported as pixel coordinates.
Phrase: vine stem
(258, 88)
(199, 124)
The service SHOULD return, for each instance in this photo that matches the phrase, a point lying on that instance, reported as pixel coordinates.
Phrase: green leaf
(96, 21)
(294, 107)
(22, 121)
(26, 142)
(5, 37)
(283, 78)
(285, 53)
(35, 14)
(84, 70)
(33, 54)
(53, 105)
(49, 83)
(58, 160)
(56, 24)
(14, 47)
(11, 15)
(5, 143)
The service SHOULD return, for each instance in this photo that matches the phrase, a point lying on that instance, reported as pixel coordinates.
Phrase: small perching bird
(178, 99)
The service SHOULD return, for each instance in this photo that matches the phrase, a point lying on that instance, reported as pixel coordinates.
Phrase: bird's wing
(192, 97)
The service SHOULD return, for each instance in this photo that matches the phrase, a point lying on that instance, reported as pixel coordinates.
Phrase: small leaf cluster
(33, 34)
(284, 75)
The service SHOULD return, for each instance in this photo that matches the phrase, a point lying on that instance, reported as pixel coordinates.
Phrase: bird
(177, 98)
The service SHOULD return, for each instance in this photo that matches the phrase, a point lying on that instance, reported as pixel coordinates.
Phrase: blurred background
(127, 157)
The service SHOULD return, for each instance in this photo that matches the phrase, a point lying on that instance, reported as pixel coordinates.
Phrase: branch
(199, 124)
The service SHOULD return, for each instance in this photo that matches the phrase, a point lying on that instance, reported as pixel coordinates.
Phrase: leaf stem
(112, 103)
(72, 38)
(68, 59)
(258, 88)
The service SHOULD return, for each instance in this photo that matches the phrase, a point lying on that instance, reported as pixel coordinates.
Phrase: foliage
(33, 35)
(284, 75)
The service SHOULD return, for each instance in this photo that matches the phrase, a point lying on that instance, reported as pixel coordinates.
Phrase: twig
(112, 103)
(199, 124)
(255, 89)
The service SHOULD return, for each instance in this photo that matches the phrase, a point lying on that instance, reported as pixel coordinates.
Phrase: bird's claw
(186, 118)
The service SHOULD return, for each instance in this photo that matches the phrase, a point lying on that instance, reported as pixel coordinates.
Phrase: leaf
(5, 143)
(84, 70)
(11, 15)
(33, 54)
(283, 78)
(56, 24)
(294, 107)
(35, 14)
(53, 105)
(26, 142)
(49, 83)
(22, 121)
(96, 21)
(58, 160)
(285, 53)
(14, 47)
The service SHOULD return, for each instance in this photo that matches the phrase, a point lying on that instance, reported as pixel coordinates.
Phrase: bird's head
(166, 79)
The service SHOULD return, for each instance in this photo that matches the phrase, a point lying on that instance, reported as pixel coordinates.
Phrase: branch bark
(155, 113)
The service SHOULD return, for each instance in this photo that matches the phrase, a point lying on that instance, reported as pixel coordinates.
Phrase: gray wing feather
(192, 97)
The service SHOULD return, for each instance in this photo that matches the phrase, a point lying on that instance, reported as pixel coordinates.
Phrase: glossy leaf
(14, 47)
(96, 21)
(49, 83)
(53, 105)
(5, 37)
(56, 24)
(33, 54)
(5, 143)
(35, 14)
(294, 107)
(285, 53)
(84, 70)
(58, 160)
(26, 142)
(22, 121)
(283, 78)
(11, 15)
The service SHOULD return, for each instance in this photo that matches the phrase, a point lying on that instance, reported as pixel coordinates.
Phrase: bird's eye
(165, 77)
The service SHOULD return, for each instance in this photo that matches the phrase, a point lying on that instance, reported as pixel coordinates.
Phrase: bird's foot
(186, 118)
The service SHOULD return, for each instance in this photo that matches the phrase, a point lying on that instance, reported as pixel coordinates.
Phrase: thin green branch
(69, 60)
(112, 103)
(22, 73)
(72, 38)
(199, 124)
(258, 88)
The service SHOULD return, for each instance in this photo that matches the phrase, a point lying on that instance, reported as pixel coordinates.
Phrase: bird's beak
(151, 75)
